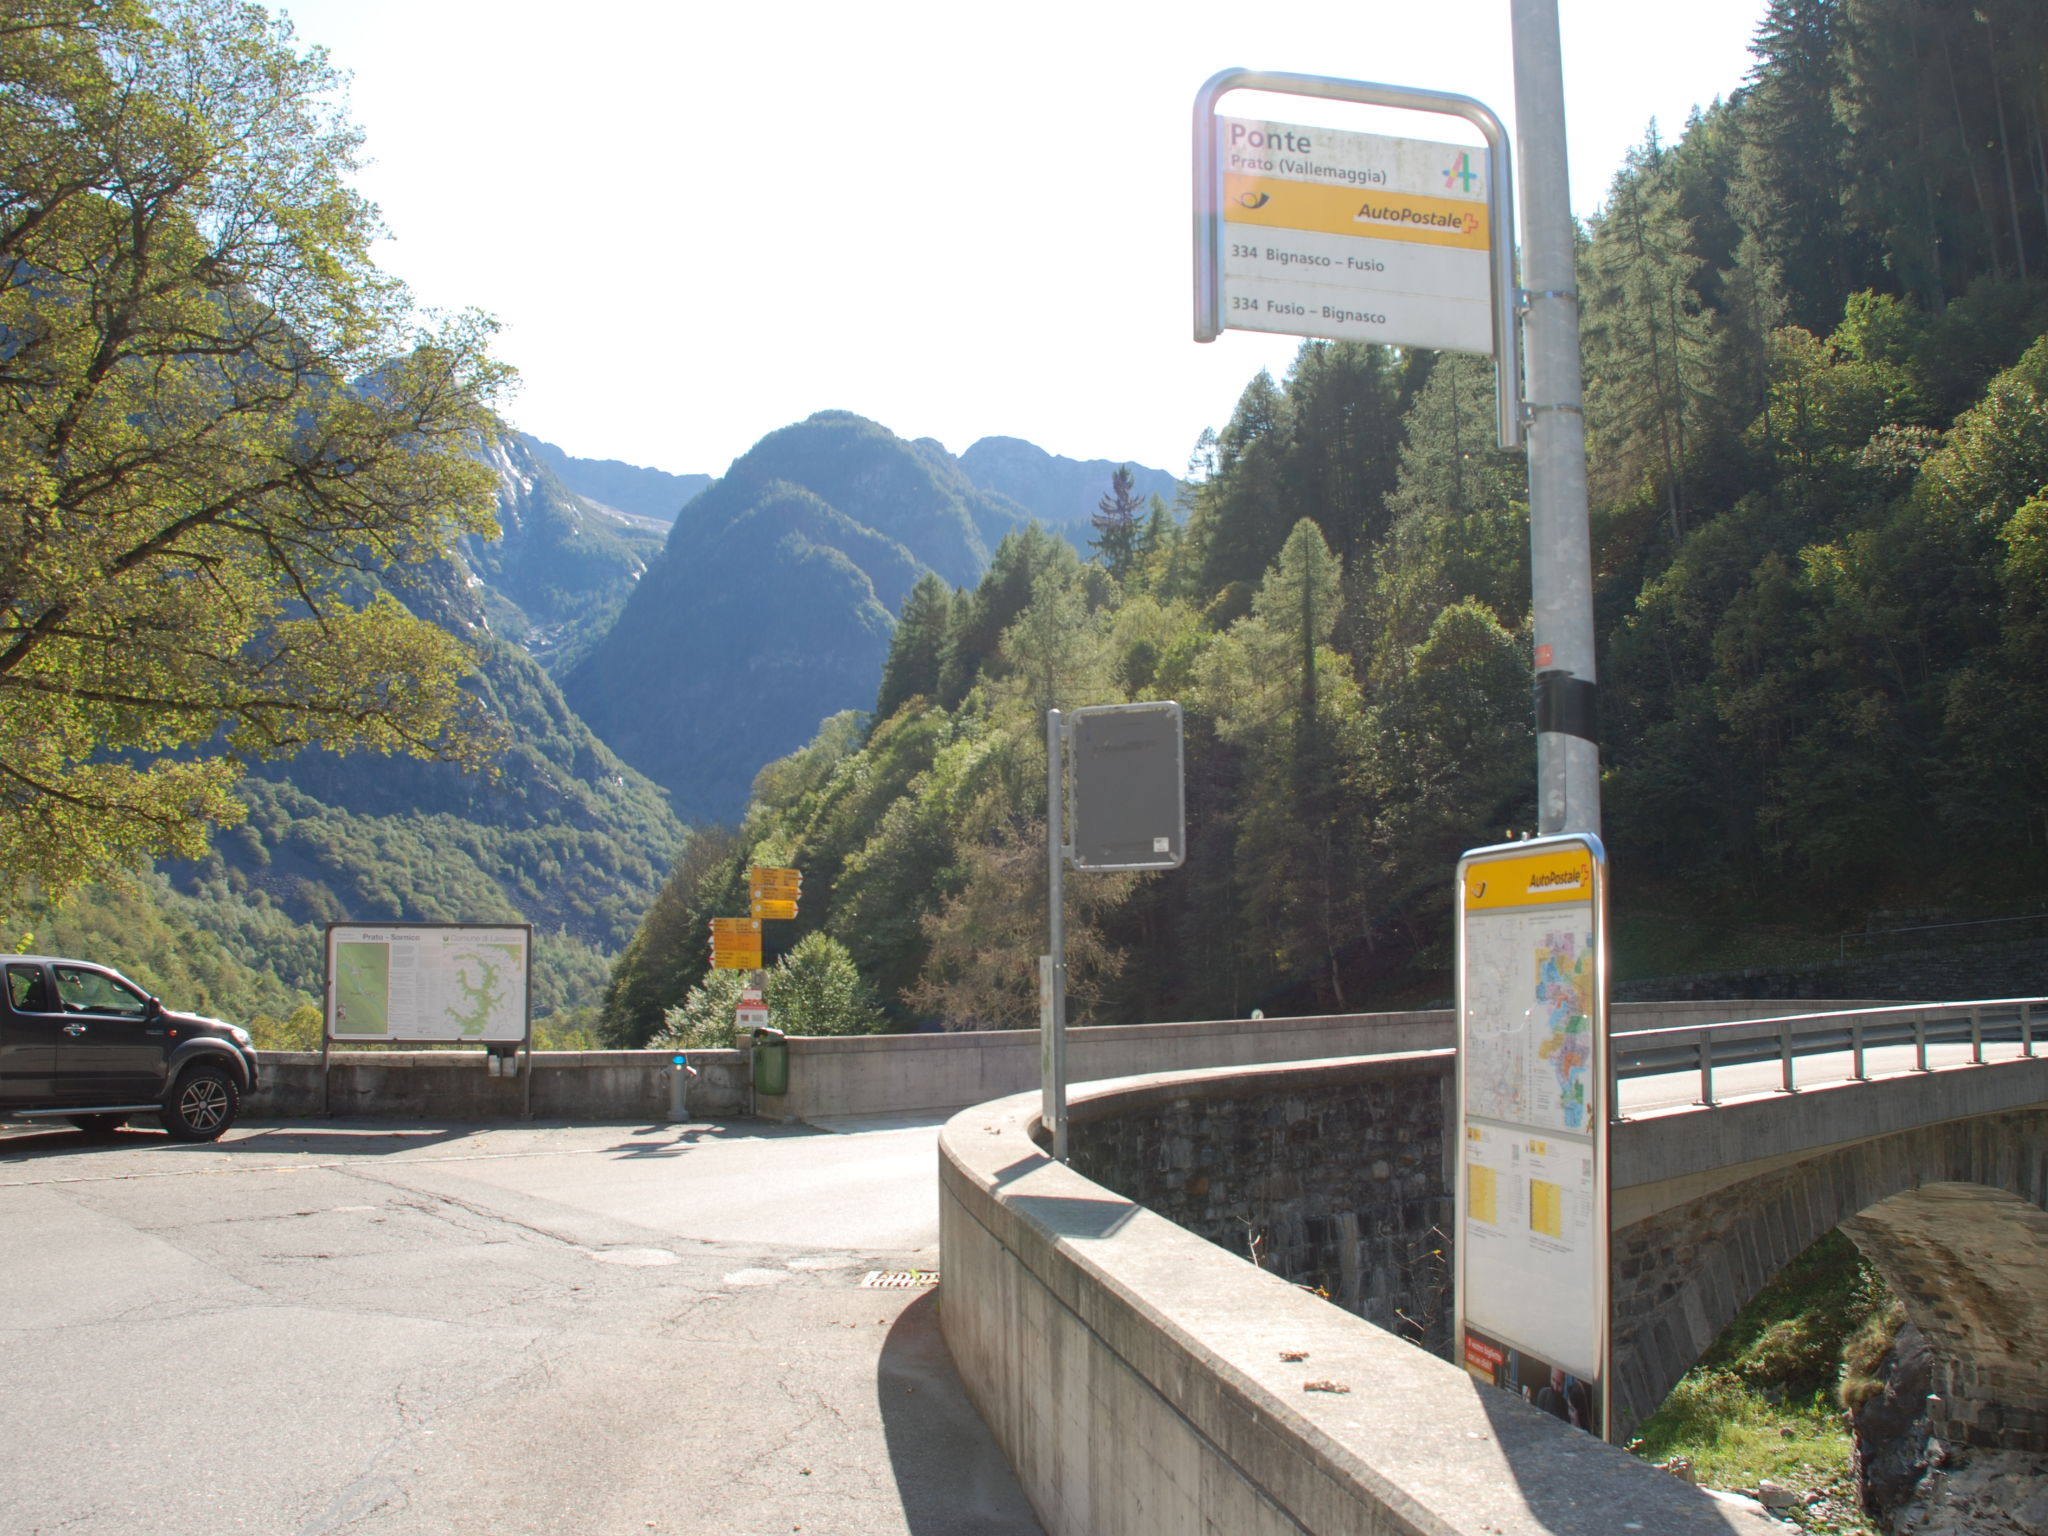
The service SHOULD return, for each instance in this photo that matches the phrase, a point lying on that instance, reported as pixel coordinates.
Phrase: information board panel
(429, 981)
(1355, 236)
(1532, 1251)
(1129, 804)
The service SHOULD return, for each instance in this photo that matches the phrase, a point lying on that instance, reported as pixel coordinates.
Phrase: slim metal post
(1560, 540)
(525, 1054)
(1706, 1069)
(2026, 1029)
(1856, 1048)
(1977, 1035)
(1053, 1046)
(1920, 1041)
(1785, 1053)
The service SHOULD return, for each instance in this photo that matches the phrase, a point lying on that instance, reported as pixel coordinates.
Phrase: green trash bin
(771, 1062)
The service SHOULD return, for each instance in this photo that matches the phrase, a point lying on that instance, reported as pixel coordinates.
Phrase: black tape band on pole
(1567, 705)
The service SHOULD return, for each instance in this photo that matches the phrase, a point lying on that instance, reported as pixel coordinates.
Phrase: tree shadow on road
(950, 1475)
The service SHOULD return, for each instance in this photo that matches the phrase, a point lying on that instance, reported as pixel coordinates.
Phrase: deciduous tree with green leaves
(224, 436)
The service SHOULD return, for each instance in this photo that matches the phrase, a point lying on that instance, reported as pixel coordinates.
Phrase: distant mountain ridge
(629, 488)
(561, 564)
(1060, 492)
(774, 602)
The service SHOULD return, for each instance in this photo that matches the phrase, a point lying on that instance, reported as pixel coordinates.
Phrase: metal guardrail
(1744, 1042)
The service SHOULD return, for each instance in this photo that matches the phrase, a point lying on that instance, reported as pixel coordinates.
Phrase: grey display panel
(1129, 804)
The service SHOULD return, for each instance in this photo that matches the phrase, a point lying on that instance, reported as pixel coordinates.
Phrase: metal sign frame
(1500, 207)
(1598, 1108)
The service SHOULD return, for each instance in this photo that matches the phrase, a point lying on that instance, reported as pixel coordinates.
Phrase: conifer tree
(1797, 170)
(917, 651)
(1116, 524)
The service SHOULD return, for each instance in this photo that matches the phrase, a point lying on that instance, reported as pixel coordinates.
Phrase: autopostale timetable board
(428, 981)
(1355, 236)
(1532, 1250)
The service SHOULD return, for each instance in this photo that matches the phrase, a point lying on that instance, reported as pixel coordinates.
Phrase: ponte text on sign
(1355, 236)
(1532, 1292)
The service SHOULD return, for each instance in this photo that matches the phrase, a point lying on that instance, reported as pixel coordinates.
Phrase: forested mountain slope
(560, 833)
(1817, 400)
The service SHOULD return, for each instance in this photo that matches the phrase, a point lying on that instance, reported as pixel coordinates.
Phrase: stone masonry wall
(1341, 1187)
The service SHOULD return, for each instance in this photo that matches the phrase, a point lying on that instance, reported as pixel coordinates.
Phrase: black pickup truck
(83, 1043)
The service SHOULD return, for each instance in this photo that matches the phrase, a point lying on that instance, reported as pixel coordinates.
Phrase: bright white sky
(701, 221)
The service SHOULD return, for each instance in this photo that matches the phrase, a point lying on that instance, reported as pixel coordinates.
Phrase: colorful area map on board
(1529, 1020)
(1564, 998)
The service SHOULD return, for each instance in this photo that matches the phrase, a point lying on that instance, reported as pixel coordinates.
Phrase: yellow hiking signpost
(735, 944)
(772, 893)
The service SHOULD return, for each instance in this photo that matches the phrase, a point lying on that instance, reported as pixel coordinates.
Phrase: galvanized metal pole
(1560, 541)
(1053, 1018)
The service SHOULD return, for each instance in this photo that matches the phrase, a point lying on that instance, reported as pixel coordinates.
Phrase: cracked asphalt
(317, 1328)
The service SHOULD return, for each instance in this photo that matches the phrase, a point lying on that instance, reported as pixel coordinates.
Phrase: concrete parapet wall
(1133, 1374)
(456, 1085)
(862, 1074)
(883, 1074)
(889, 1074)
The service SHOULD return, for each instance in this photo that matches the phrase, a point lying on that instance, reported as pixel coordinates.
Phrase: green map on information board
(427, 982)
(362, 983)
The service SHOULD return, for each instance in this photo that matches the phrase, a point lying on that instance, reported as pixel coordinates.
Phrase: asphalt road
(379, 1330)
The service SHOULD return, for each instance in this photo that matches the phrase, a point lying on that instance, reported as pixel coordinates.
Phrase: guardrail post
(1785, 1053)
(1977, 1035)
(2026, 1029)
(1856, 1048)
(1920, 1041)
(1706, 1069)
